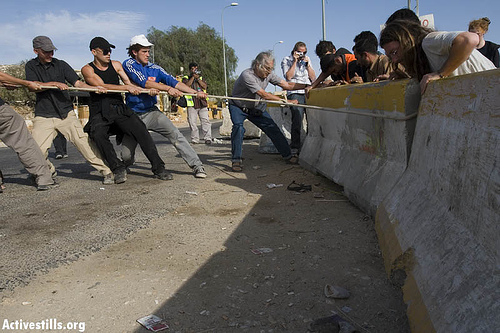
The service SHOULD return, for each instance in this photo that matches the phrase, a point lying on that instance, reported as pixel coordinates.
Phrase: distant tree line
(21, 96)
(173, 49)
(178, 46)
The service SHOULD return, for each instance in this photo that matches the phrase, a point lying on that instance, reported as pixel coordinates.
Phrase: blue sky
(251, 27)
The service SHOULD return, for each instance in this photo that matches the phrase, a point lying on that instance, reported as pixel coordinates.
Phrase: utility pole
(417, 11)
(324, 22)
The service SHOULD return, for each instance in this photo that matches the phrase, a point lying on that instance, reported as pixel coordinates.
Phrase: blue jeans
(265, 123)
(297, 117)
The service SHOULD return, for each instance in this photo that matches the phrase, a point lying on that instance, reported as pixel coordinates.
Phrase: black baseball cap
(100, 42)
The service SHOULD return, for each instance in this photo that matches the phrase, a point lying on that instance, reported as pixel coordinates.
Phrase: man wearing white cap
(109, 115)
(151, 76)
(54, 108)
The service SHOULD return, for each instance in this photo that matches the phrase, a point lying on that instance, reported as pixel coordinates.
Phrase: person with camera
(197, 107)
(297, 68)
(151, 76)
(251, 84)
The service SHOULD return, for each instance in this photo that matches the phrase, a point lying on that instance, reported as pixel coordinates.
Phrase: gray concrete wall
(365, 155)
(251, 131)
(440, 224)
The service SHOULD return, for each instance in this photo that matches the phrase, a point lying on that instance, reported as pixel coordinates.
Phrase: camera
(197, 72)
(300, 54)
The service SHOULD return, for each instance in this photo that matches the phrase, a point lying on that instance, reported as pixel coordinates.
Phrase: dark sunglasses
(106, 52)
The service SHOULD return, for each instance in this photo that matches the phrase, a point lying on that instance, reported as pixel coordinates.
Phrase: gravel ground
(185, 249)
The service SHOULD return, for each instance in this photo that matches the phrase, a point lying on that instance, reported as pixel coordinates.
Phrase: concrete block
(365, 155)
(251, 131)
(443, 214)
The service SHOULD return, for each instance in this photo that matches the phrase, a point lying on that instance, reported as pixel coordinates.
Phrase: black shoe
(120, 176)
(164, 175)
(59, 156)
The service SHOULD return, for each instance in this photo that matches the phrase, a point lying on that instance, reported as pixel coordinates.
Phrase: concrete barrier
(365, 155)
(439, 226)
(282, 116)
(251, 131)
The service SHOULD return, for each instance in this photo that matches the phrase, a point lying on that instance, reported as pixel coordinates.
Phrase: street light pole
(324, 22)
(224, 43)
(280, 42)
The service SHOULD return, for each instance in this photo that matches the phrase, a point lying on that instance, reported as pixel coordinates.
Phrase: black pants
(100, 130)
(60, 144)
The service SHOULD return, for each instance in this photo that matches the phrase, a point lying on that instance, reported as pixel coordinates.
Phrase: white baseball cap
(141, 40)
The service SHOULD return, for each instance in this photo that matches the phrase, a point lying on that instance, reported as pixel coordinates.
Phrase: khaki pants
(44, 132)
(206, 127)
(15, 134)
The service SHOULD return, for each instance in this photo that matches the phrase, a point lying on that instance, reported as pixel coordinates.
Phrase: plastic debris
(299, 187)
(336, 292)
(346, 309)
(153, 323)
(272, 185)
(261, 250)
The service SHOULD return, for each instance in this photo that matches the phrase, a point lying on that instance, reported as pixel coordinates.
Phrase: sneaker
(164, 175)
(65, 156)
(194, 142)
(59, 156)
(199, 171)
(208, 142)
(46, 187)
(120, 176)
(108, 179)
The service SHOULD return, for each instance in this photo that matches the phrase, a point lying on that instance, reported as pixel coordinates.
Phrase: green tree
(20, 96)
(178, 46)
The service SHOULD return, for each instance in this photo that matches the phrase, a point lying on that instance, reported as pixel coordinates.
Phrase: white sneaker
(199, 171)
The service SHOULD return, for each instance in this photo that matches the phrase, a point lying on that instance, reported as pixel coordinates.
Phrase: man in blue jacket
(151, 76)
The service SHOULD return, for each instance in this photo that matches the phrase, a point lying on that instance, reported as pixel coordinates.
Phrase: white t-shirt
(437, 45)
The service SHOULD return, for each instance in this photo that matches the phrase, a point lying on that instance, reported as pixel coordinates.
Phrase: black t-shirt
(490, 51)
(51, 103)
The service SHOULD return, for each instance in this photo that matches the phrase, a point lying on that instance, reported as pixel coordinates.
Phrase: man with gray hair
(251, 84)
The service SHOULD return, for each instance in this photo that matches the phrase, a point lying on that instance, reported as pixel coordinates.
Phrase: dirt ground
(187, 250)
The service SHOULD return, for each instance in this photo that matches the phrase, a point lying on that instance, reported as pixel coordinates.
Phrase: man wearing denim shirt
(297, 68)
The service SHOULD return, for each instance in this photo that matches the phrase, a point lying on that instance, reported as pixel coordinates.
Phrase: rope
(358, 112)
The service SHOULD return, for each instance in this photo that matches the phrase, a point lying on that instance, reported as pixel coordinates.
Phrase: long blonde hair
(409, 35)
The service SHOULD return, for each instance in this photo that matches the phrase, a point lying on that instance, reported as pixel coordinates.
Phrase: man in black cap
(54, 109)
(108, 112)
